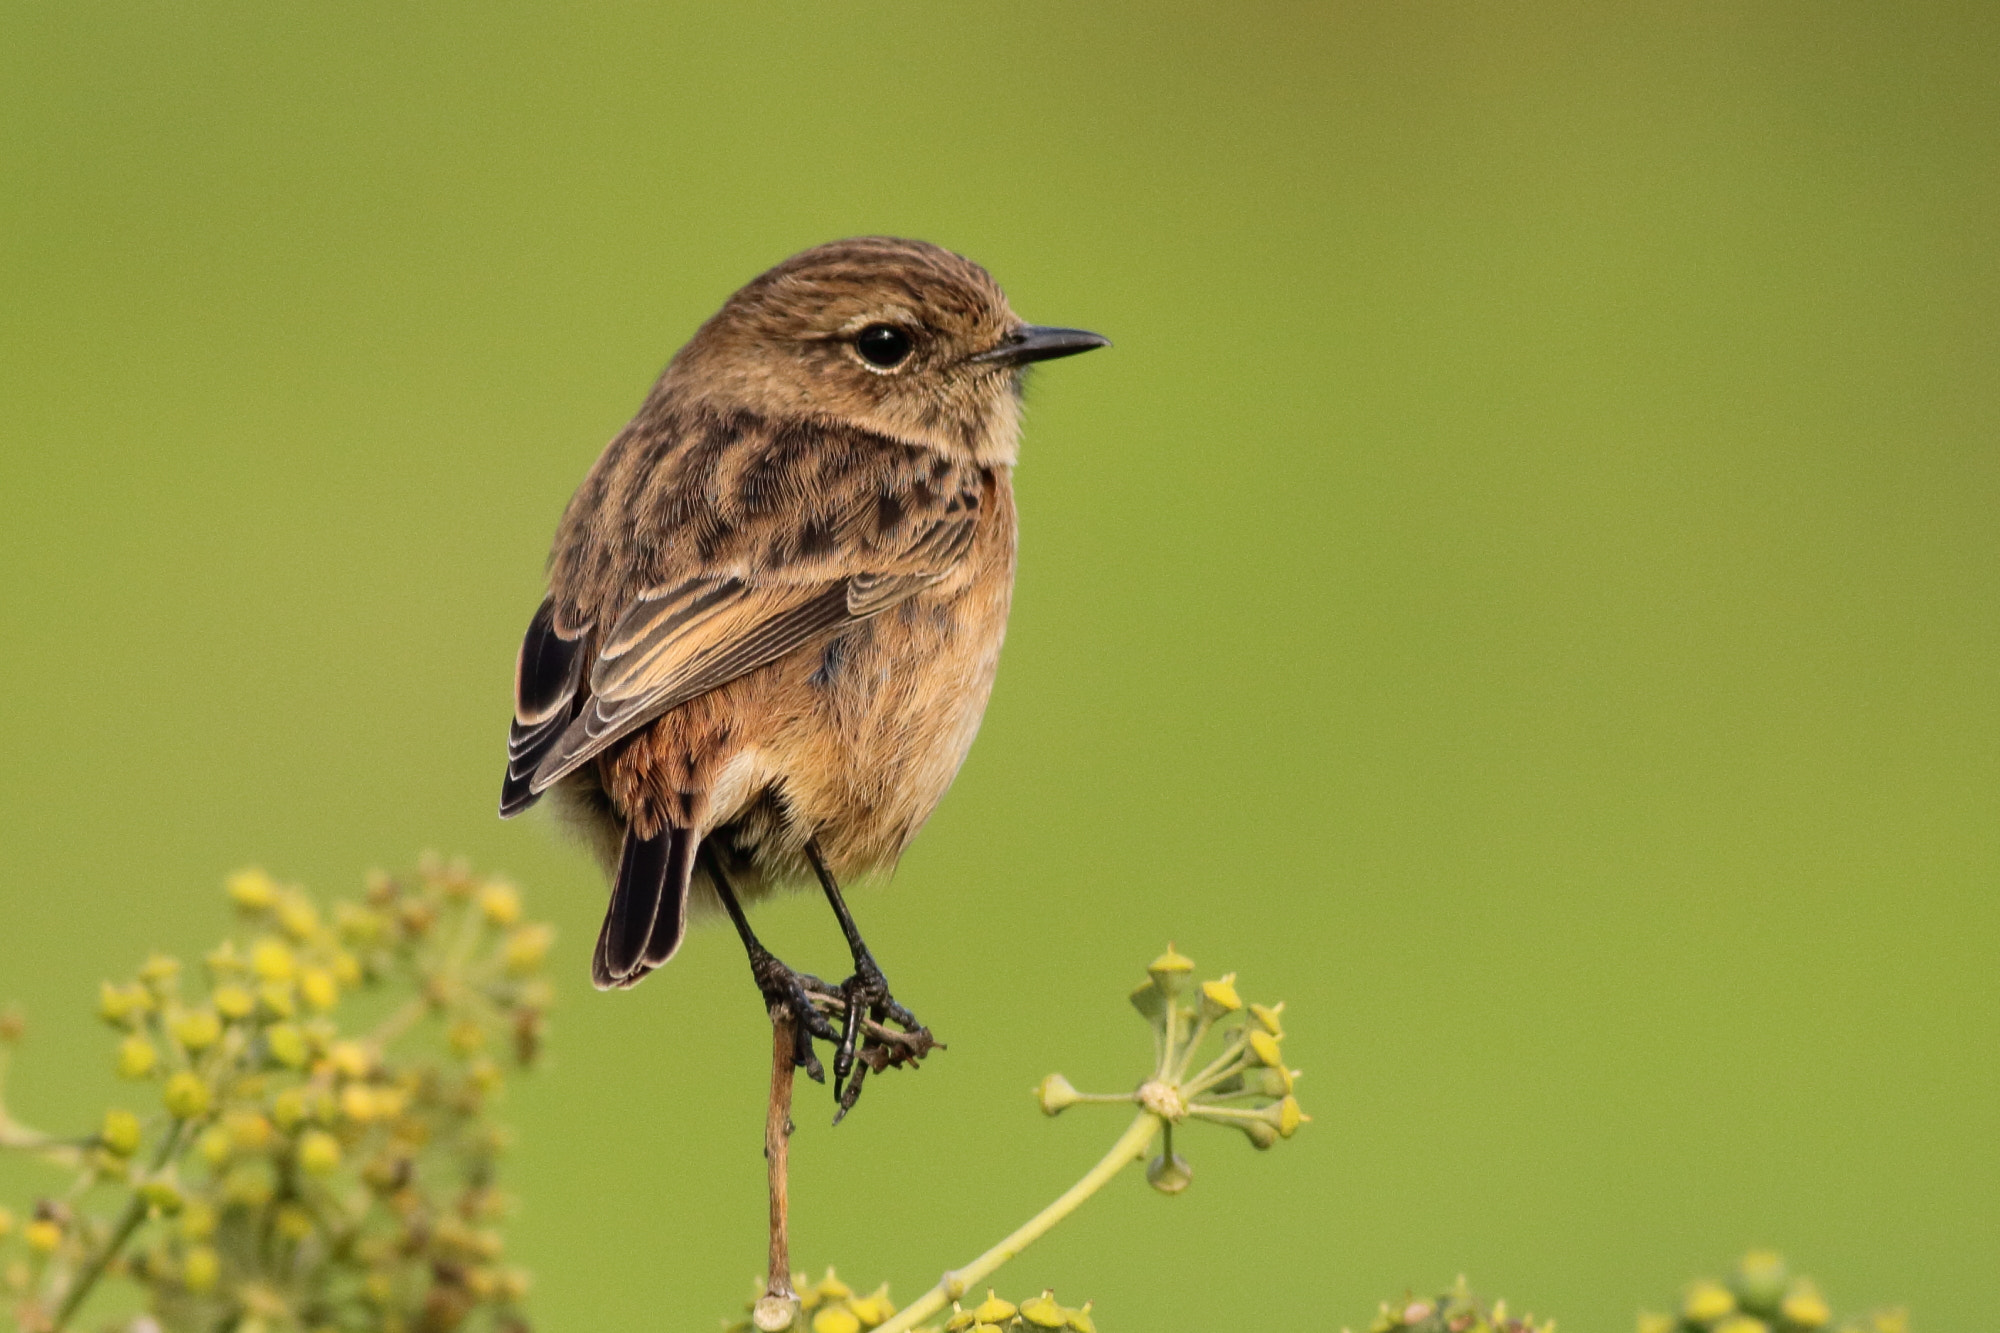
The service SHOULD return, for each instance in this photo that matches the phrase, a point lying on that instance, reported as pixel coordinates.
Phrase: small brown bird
(776, 604)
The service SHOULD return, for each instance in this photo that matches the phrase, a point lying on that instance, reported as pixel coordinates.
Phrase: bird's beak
(1038, 342)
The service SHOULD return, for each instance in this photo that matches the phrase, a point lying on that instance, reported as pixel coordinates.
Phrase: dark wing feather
(647, 916)
(546, 699)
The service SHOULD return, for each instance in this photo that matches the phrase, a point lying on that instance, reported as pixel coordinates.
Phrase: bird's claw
(865, 999)
(788, 991)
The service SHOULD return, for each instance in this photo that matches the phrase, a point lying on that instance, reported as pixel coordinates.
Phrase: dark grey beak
(1038, 342)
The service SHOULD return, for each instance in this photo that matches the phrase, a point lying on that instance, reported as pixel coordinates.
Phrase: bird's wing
(548, 677)
(683, 638)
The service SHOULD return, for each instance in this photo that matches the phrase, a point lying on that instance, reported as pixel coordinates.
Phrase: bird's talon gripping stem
(786, 989)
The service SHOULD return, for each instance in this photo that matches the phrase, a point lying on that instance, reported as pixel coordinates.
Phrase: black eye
(882, 345)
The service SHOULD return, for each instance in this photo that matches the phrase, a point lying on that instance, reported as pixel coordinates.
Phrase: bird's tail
(648, 914)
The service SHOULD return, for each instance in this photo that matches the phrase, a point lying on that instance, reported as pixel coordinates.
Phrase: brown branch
(779, 1307)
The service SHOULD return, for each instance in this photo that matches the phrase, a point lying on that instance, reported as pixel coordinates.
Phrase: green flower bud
(1260, 1134)
(1267, 1018)
(136, 1057)
(271, 959)
(1151, 1003)
(185, 1095)
(466, 1036)
(297, 915)
(249, 1131)
(1169, 1174)
(1264, 1049)
(251, 889)
(293, 1222)
(162, 1194)
(1760, 1281)
(836, 1319)
(249, 1184)
(197, 1029)
(1220, 997)
(121, 1133)
(318, 988)
(874, 1308)
(278, 999)
(319, 1153)
(500, 904)
(201, 1269)
(288, 1108)
(1705, 1302)
(1741, 1323)
(43, 1235)
(1803, 1307)
(1080, 1320)
(233, 1002)
(1170, 972)
(1269, 1080)
(198, 1220)
(286, 1045)
(1055, 1093)
(1042, 1311)
(116, 1004)
(993, 1310)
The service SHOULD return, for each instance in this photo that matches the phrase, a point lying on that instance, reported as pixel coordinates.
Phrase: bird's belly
(878, 721)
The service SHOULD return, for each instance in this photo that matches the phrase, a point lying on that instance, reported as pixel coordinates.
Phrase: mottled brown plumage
(776, 603)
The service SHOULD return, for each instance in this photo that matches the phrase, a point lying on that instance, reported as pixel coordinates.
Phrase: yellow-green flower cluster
(1040, 1314)
(831, 1306)
(828, 1306)
(308, 1144)
(1763, 1296)
(1246, 1085)
(1456, 1311)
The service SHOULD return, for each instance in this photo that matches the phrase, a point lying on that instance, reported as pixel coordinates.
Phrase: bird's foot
(792, 992)
(866, 1043)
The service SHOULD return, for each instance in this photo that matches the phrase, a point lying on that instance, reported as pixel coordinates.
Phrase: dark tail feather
(648, 913)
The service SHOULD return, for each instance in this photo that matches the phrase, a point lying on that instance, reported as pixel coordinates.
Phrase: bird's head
(899, 337)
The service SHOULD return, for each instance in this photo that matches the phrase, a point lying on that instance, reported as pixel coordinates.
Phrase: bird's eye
(883, 345)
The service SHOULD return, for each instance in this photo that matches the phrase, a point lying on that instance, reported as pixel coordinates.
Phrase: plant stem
(780, 1302)
(135, 1213)
(1131, 1146)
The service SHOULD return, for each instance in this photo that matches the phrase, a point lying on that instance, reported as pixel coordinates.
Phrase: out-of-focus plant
(309, 1142)
(1456, 1311)
(1763, 1296)
(1244, 1084)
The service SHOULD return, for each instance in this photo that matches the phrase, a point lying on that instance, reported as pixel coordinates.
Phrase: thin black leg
(866, 992)
(781, 986)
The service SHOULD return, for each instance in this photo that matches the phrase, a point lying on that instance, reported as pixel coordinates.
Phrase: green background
(1522, 589)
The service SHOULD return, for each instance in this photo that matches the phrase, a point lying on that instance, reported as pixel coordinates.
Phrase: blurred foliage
(1457, 1311)
(1763, 1296)
(1760, 1296)
(309, 1145)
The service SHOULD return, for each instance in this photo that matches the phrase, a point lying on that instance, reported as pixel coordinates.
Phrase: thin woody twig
(779, 1307)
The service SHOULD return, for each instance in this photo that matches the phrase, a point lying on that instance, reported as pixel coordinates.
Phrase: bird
(775, 609)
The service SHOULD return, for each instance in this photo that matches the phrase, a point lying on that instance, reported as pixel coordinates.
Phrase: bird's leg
(784, 989)
(866, 992)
